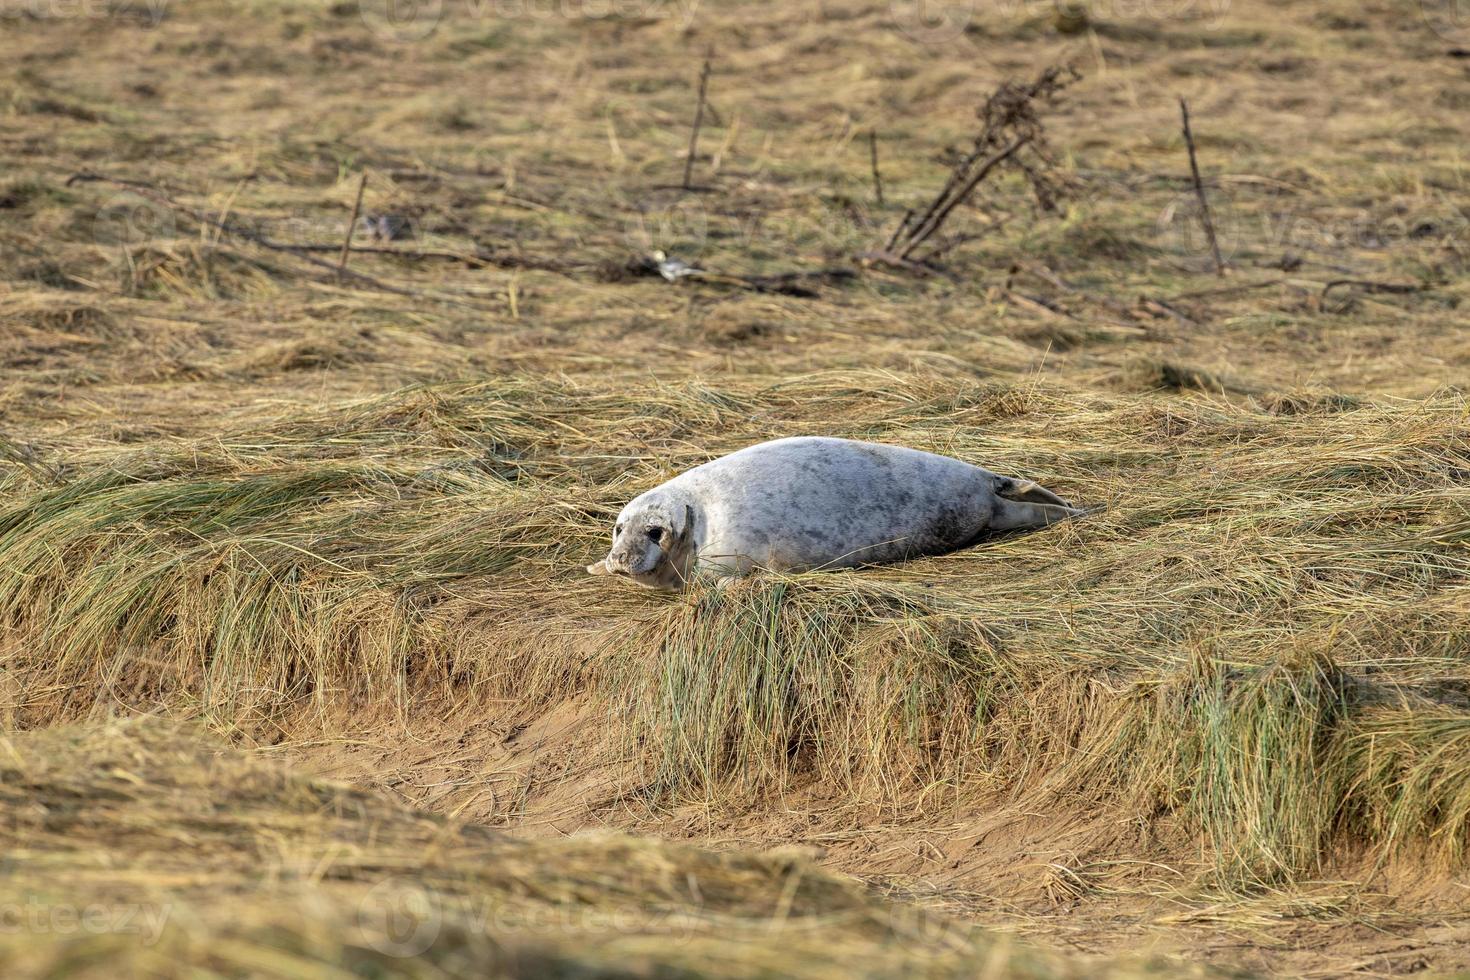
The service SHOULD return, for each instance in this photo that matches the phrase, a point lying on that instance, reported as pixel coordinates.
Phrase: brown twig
(1010, 121)
(940, 251)
(903, 224)
(698, 122)
(1199, 190)
(1043, 273)
(936, 216)
(1038, 304)
(352, 225)
(1151, 304)
(877, 174)
(1244, 287)
(894, 261)
(1369, 286)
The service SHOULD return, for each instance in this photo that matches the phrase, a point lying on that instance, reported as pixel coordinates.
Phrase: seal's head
(651, 543)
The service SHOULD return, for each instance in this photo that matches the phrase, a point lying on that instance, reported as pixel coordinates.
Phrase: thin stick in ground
(1371, 286)
(698, 122)
(877, 174)
(352, 226)
(1199, 190)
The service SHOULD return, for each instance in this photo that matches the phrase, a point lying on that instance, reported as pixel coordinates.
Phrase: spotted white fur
(816, 503)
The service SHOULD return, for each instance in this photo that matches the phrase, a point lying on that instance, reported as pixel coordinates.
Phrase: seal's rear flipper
(1024, 504)
(1027, 491)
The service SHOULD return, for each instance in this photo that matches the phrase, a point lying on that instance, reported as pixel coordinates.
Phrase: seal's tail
(1024, 504)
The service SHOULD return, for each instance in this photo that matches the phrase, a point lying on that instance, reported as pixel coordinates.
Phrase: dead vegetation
(334, 506)
(139, 848)
(362, 553)
(1011, 135)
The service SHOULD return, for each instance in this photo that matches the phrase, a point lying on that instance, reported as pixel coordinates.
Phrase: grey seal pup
(809, 503)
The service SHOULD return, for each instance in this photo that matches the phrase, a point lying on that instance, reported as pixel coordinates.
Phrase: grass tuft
(430, 544)
(188, 859)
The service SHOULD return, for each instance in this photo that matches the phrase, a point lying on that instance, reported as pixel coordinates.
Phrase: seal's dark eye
(617, 529)
(656, 534)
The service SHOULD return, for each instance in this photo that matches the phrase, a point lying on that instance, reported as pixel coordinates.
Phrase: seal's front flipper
(599, 569)
(1024, 504)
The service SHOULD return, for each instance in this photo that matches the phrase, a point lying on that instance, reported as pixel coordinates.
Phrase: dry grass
(242, 489)
(133, 848)
(1211, 643)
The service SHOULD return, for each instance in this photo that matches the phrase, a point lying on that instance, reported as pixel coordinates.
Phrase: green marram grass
(1215, 646)
(309, 510)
